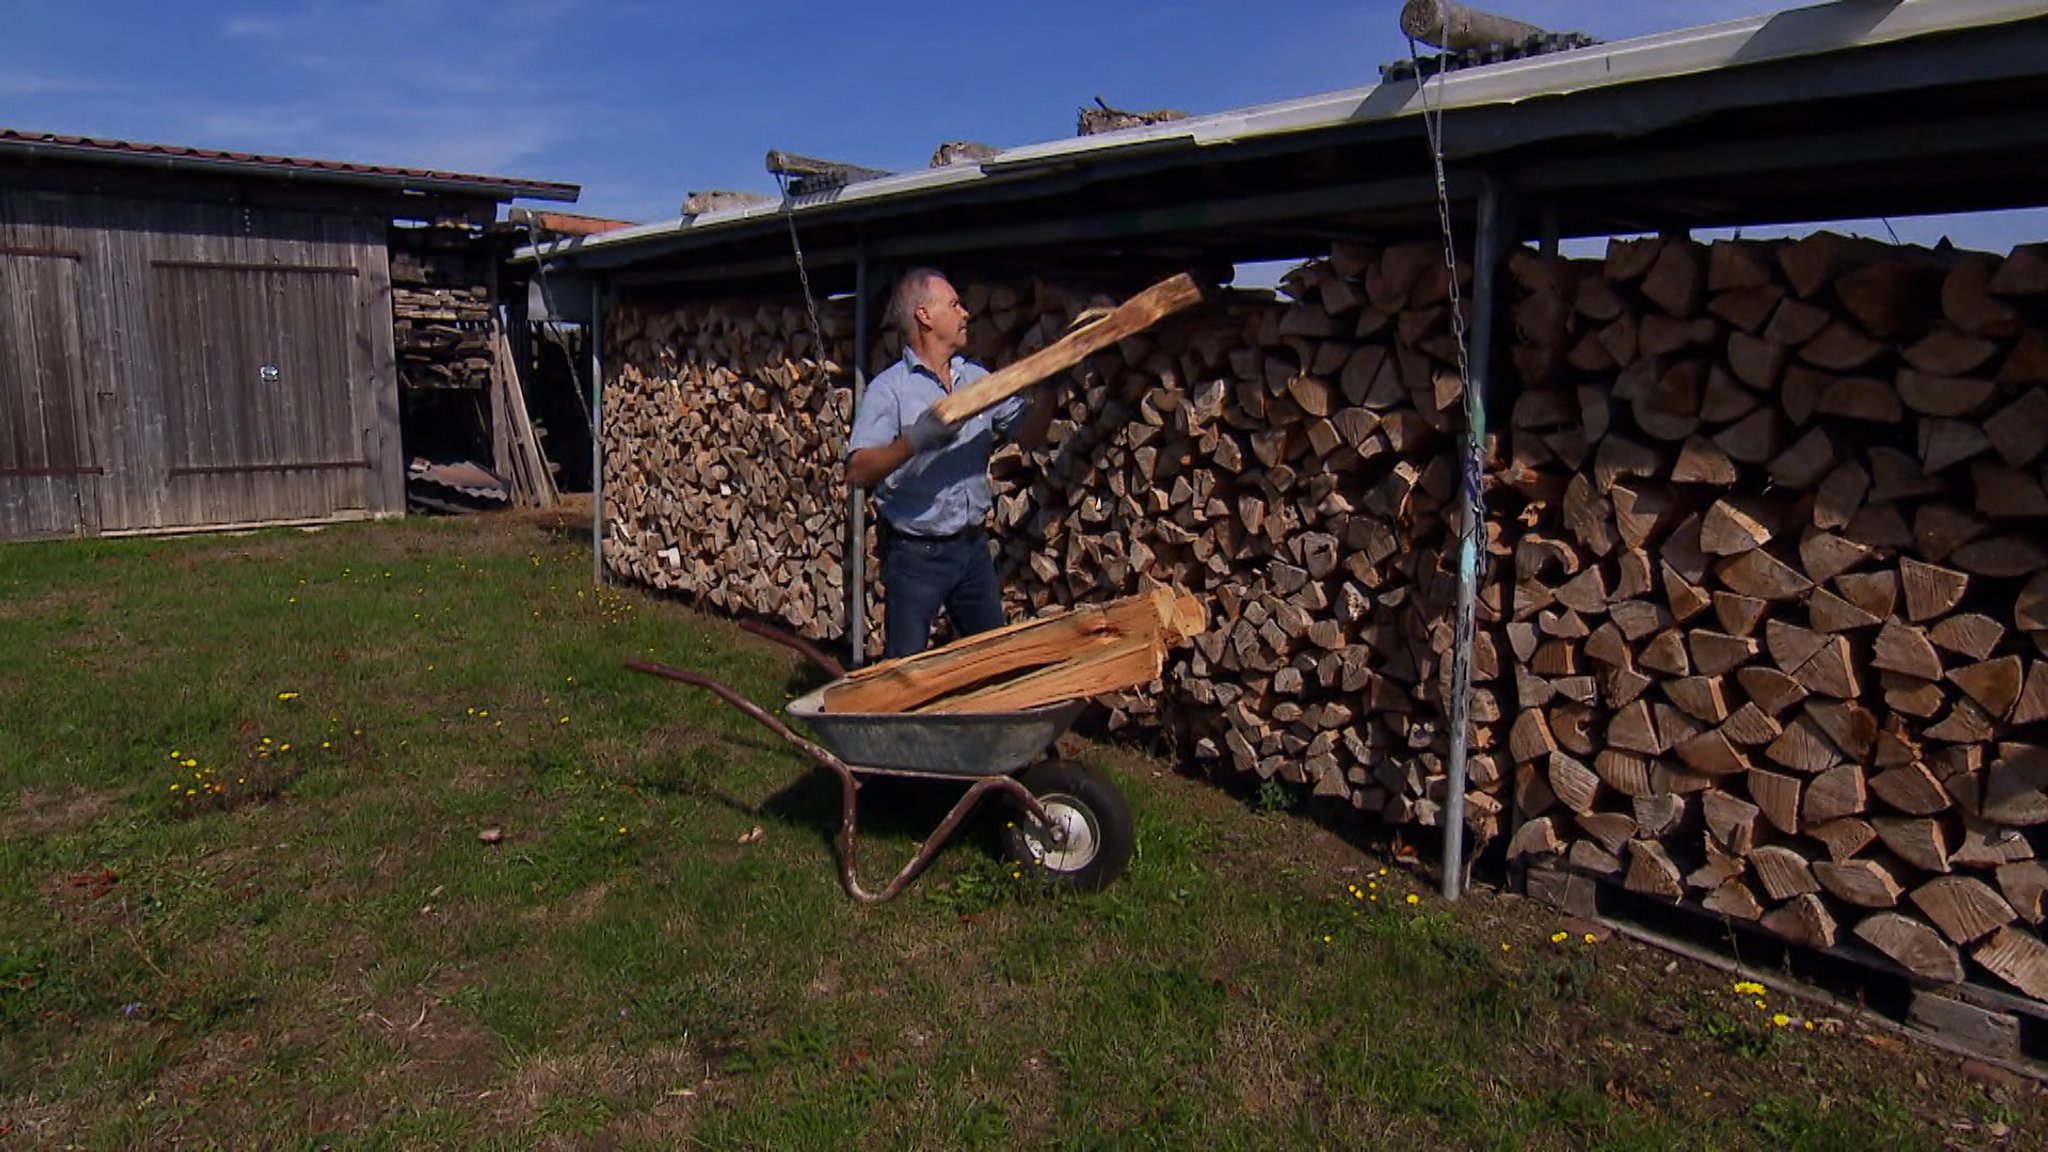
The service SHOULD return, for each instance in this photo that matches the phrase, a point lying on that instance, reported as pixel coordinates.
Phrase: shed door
(49, 472)
(258, 382)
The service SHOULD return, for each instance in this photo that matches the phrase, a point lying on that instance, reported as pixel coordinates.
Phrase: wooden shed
(197, 339)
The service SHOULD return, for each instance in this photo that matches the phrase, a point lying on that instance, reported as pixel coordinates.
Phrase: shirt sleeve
(876, 422)
(1010, 413)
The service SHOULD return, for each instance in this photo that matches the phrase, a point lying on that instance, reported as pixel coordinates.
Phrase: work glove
(928, 432)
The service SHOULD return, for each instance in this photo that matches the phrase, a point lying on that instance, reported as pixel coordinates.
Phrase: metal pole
(596, 329)
(1549, 226)
(856, 501)
(1486, 258)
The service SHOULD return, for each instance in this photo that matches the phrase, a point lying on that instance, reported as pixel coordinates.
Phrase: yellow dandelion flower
(287, 695)
(563, 720)
(1326, 939)
(190, 762)
(177, 755)
(191, 791)
(1506, 947)
(174, 787)
(1760, 1004)
(622, 829)
(1560, 937)
(1809, 1025)
(1375, 897)
(1383, 871)
(325, 745)
(1749, 988)
(291, 599)
(1373, 884)
(266, 740)
(1414, 899)
(1782, 1020)
(1590, 939)
(485, 713)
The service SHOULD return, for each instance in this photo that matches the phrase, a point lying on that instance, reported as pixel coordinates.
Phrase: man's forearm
(867, 467)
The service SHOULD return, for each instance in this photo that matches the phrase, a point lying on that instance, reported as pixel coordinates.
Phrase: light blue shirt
(939, 492)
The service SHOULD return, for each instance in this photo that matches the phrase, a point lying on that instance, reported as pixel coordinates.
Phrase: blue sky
(642, 101)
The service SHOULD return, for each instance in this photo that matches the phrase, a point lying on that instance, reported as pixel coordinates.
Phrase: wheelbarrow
(1067, 822)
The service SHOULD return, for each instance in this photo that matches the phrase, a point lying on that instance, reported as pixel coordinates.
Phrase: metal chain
(1432, 123)
(803, 275)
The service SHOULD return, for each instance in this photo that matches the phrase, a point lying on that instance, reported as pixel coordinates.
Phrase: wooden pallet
(1985, 1023)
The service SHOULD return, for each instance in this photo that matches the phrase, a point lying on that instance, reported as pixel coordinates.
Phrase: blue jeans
(920, 576)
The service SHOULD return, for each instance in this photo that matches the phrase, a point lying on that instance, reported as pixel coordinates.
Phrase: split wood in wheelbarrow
(1088, 651)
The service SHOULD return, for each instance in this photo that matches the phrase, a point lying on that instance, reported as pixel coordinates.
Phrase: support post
(856, 579)
(1550, 225)
(596, 329)
(1488, 252)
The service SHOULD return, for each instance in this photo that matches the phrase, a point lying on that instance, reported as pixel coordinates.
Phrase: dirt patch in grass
(580, 1090)
(40, 813)
(438, 1046)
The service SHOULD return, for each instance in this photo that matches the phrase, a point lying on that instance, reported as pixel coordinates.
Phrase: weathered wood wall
(172, 364)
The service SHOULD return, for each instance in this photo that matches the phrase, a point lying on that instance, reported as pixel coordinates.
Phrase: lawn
(247, 899)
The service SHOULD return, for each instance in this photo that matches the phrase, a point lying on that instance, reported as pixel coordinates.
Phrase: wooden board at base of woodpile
(1815, 468)
(1065, 655)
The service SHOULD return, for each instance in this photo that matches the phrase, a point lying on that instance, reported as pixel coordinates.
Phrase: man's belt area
(967, 533)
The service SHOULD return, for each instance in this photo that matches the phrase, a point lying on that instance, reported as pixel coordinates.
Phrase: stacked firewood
(724, 438)
(440, 308)
(1291, 460)
(1779, 626)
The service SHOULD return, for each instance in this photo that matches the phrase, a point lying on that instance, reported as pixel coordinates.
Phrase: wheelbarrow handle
(759, 714)
(849, 811)
(802, 647)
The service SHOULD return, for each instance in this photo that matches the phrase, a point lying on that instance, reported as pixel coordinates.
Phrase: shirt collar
(912, 361)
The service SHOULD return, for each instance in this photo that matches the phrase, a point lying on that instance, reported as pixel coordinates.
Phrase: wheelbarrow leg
(849, 828)
(849, 835)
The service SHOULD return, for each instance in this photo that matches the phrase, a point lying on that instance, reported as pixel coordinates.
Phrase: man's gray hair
(911, 290)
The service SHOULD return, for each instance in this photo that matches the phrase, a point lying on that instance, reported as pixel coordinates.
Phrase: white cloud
(23, 83)
(424, 83)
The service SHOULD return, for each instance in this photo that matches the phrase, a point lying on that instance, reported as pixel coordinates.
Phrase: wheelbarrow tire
(1097, 819)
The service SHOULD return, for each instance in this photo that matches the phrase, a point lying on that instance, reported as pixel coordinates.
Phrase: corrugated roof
(1732, 47)
(261, 166)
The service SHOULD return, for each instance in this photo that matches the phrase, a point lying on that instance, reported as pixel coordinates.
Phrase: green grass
(297, 939)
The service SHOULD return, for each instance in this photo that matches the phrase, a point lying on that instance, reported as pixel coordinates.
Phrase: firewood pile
(1766, 625)
(1289, 461)
(441, 308)
(1779, 623)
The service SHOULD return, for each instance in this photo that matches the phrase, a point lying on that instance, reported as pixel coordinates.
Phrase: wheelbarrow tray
(968, 745)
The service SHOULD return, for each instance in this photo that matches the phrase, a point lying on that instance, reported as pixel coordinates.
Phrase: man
(930, 478)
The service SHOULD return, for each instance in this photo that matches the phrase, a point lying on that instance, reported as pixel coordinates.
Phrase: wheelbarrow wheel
(1093, 816)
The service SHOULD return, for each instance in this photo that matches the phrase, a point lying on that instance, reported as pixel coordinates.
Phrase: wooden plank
(1128, 319)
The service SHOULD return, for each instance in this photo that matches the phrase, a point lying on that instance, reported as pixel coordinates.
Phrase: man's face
(943, 313)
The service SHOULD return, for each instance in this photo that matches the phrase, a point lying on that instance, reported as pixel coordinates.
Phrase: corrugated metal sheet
(262, 166)
(1730, 47)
